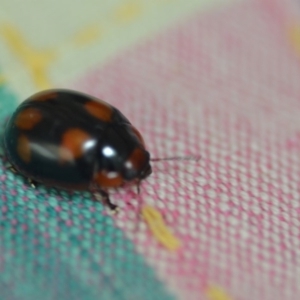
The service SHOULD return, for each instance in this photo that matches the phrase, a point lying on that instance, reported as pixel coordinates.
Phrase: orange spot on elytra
(72, 145)
(65, 154)
(100, 110)
(28, 118)
(23, 148)
(108, 179)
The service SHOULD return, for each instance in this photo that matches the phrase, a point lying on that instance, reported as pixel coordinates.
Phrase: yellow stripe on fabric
(159, 229)
(127, 12)
(2, 79)
(48, 43)
(294, 36)
(37, 61)
(87, 35)
(214, 292)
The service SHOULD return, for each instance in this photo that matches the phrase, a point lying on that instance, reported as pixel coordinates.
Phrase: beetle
(72, 141)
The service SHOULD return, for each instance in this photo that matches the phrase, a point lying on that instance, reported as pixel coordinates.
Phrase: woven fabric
(57, 245)
(223, 84)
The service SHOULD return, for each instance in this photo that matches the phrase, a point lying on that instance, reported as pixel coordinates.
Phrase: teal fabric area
(57, 245)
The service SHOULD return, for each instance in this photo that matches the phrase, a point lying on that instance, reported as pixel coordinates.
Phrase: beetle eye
(146, 172)
(137, 165)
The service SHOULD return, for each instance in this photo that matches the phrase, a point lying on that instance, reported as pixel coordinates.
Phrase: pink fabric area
(284, 12)
(224, 85)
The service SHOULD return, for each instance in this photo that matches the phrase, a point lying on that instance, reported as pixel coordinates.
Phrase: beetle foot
(103, 197)
(32, 183)
(114, 210)
(12, 169)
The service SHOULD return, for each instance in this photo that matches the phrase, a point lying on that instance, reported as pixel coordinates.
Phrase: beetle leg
(12, 169)
(138, 187)
(103, 196)
(32, 183)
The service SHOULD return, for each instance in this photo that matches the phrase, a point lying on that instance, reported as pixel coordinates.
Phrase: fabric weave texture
(222, 83)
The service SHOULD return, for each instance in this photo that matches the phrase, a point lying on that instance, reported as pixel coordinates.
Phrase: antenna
(193, 158)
